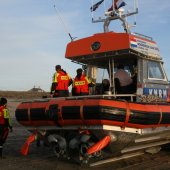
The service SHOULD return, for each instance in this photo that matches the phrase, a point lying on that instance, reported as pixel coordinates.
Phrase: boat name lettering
(162, 93)
(147, 46)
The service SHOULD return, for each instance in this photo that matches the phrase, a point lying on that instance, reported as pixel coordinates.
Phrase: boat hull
(64, 112)
(116, 126)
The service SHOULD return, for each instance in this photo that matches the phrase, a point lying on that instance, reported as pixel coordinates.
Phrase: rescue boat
(108, 122)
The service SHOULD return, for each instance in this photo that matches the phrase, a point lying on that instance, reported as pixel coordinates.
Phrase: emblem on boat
(95, 46)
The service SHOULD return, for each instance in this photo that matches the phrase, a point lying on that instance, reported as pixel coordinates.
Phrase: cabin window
(102, 81)
(101, 75)
(155, 70)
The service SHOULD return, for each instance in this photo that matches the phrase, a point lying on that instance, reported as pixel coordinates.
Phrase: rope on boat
(150, 98)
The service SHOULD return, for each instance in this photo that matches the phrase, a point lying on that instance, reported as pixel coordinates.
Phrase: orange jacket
(2, 120)
(5, 116)
(62, 79)
(81, 85)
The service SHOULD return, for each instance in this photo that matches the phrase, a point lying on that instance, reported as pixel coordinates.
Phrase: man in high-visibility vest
(61, 82)
(5, 123)
(81, 84)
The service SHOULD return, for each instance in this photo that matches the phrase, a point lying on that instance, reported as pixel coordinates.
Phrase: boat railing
(130, 97)
(142, 36)
(104, 96)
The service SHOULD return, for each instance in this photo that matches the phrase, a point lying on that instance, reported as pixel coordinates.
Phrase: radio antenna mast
(62, 22)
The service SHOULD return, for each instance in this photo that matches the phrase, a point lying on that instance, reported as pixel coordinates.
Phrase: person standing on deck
(81, 84)
(61, 82)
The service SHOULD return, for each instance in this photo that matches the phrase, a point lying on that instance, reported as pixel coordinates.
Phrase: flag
(118, 4)
(133, 42)
(95, 6)
(110, 9)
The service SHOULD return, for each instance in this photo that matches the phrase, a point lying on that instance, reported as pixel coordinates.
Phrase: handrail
(102, 96)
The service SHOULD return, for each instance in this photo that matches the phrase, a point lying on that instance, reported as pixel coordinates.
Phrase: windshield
(155, 70)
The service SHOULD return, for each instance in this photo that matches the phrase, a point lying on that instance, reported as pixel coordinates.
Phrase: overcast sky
(33, 40)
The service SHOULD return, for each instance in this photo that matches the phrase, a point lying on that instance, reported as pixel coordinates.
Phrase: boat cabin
(139, 55)
(103, 53)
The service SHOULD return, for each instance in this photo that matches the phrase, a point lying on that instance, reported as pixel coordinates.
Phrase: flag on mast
(95, 6)
(118, 4)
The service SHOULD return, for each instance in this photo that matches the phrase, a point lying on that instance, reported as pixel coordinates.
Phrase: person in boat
(61, 82)
(5, 124)
(134, 78)
(123, 81)
(105, 86)
(81, 84)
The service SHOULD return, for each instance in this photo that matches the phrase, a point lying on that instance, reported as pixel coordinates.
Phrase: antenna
(62, 22)
(136, 7)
